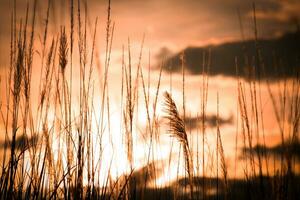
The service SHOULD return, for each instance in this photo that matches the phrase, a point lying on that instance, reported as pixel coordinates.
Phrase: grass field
(80, 121)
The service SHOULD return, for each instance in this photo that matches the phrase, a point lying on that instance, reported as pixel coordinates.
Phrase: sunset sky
(169, 26)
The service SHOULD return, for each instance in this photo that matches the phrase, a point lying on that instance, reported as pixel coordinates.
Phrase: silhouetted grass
(49, 150)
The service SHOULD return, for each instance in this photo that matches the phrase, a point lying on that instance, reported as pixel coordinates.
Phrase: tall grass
(177, 130)
(61, 155)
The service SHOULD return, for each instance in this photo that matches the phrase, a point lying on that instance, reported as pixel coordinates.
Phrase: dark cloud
(210, 121)
(292, 149)
(194, 122)
(22, 142)
(163, 54)
(280, 57)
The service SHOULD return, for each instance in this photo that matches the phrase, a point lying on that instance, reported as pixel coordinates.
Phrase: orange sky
(171, 25)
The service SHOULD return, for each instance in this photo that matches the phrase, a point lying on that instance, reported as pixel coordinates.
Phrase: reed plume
(63, 50)
(177, 130)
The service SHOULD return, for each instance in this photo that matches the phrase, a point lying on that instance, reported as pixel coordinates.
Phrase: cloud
(277, 150)
(163, 54)
(22, 142)
(282, 11)
(210, 120)
(283, 52)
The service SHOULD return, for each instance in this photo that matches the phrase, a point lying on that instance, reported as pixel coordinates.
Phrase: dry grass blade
(221, 152)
